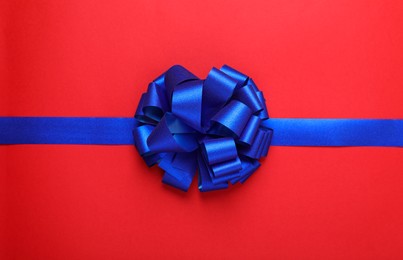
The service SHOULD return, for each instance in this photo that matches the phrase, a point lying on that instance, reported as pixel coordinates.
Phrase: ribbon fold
(214, 125)
(218, 126)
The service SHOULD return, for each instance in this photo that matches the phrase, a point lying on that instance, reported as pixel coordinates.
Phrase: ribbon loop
(187, 103)
(154, 105)
(217, 90)
(219, 150)
(233, 117)
(248, 96)
(171, 135)
(184, 122)
(236, 75)
(179, 169)
(249, 132)
(174, 76)
(141, 135)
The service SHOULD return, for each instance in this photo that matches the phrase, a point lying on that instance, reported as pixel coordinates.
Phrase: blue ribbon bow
(214, 125)
(219, 126)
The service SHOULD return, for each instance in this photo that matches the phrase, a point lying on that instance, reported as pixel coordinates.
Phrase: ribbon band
(336, 132)
(66, 130)
(118, 131)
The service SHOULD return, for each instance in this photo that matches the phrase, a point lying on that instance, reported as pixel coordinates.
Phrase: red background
(320, 59)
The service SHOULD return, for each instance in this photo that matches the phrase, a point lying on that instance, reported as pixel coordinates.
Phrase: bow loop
(175, 76)
(249, 96)
(154, 105)
(171, 135)
(187, 103)
(217, 90)
(233, 117)
(214, 125)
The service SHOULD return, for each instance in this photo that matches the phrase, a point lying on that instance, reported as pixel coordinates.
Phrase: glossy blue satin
(66, 130)
(217, 120)
(117, 131)
(219, 126)
(180, 166)
(336, 132)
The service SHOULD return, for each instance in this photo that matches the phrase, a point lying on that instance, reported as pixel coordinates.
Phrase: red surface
(94, 58)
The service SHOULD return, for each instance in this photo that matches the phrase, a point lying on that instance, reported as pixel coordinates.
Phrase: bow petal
(232, 118)
(187, 103)
(179, 169)
(154, 105)
(171, 135)
(173, 77)
(214, 125)
(217, 90)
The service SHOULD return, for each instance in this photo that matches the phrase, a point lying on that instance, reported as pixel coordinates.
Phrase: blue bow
(215, 125)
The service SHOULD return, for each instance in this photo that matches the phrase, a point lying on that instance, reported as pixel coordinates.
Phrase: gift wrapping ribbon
(118, 131)
(219, 126)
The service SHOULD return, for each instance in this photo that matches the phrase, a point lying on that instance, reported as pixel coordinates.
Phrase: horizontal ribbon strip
(66, 130)
(118, 131)
(336, 132)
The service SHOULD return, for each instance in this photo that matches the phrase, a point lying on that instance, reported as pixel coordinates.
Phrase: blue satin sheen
(66, 130)
(118, 131)
(336, 132)
(219, 126)
(218, 119)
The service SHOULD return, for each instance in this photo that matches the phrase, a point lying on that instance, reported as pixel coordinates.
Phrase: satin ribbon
(219, 126)
(118, 131)
(214, 125)
(336, 132)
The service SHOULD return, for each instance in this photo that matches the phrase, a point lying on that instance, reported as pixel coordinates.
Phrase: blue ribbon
(214, 125)
(66, 130)
(219, 126)
(118, 131)
(336, 132)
